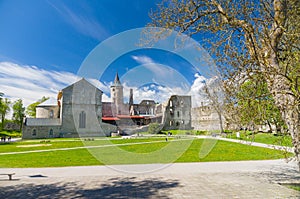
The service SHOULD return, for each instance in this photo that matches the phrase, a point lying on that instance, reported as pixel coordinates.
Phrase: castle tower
(116, 92)
(131, 109)
(131, 97)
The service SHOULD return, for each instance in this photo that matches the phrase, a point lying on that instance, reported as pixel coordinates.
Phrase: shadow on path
(129, 187)
(288, 175)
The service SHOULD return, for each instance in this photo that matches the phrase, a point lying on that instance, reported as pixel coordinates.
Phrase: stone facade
(78, 111)
(178, 113)
(205, 118)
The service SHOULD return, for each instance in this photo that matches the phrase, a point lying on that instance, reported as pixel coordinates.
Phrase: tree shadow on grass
(130, 187)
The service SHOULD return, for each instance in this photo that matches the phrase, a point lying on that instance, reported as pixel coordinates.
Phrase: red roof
(110, 118)
(130, 117)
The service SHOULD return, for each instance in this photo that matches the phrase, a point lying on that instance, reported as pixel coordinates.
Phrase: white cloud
(142, 59)
(31, 83)
(153, 91)
(197, 89)
(87, 25)
(151, 65)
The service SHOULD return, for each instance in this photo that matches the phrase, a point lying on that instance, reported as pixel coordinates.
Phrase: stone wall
(81, 109)
(47, 112)
(178, 113)
(41, 132)
(205, 118)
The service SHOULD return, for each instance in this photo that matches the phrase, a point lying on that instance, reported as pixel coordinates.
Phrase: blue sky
(44, 43)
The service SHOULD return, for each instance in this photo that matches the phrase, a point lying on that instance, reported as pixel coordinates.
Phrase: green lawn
(129, 151)
(229, 151)
(266, 138)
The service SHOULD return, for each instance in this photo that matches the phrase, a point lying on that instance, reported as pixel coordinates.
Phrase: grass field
(266, 138)
(126, 151)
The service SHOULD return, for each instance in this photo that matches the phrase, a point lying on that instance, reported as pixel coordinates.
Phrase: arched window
(33, 132)
(51, 133)
(51, 114)
(82, 119)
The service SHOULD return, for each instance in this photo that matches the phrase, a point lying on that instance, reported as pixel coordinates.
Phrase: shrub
(153, 128)
(201, 132)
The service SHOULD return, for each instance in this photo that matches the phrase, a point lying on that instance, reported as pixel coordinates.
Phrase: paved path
(244, 179)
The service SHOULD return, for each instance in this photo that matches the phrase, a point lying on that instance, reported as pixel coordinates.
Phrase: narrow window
(178, 113)
(51, 133)
(82, 119)
(51, 114)
(34, 132)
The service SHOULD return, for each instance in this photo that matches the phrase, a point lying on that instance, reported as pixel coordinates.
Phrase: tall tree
(4, 109)
(18, 112)
(214, 93)
(255, 105)
(31, 109)
(247, 37)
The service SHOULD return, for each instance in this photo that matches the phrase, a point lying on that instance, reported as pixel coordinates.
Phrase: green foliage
(228, 131)
(201, 133)
(4, 109)
(246, 38)
(18, 112)
(256, 106)
(294, 186)
(14, 134)
(154, 128)
(31, 109)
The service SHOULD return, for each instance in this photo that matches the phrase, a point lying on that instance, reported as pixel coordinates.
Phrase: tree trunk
(289, 109)
(2, 120)
(221, 122)
(270, 126)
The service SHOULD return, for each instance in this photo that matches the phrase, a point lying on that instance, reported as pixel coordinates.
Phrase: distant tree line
(18, 110)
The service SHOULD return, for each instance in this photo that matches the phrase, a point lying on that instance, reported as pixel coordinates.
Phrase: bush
(13, 134)
(228, 131)
(201, 132)
(153, 128)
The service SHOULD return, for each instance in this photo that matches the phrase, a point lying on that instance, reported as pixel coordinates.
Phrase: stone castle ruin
(78, 111)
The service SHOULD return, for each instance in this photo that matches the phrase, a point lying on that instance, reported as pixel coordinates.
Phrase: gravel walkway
(243, 179)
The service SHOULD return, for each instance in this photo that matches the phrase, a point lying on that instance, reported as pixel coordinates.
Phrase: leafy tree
(4, 109)
(256, 105)
(247, 37)
(18, 112)
(31, 109)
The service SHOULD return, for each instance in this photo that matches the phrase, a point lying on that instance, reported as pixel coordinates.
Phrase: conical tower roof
(117, 80)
